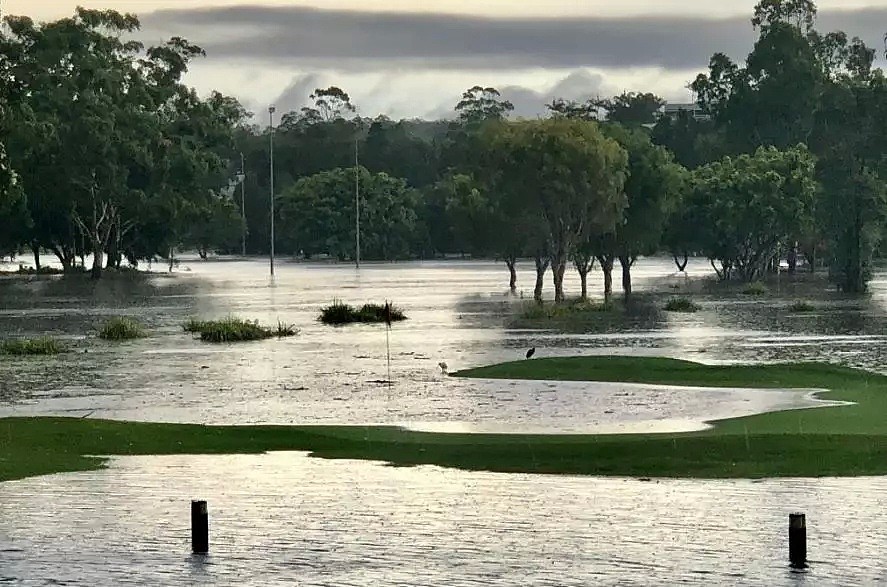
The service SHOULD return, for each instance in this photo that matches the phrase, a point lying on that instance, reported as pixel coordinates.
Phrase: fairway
(848, 440)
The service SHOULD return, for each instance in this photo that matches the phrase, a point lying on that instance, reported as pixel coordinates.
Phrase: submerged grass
(122, 328)
(339, 313)
(848, 440)
(233, 329)
(31, 346)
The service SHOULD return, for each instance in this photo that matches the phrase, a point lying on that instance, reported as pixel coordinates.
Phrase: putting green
(848, 440)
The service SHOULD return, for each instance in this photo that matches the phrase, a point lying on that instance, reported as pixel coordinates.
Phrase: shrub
(122, 329)
(684, 305)
(755, 289)
(31, 346)
(340, 313)
(232, 329)
(801, 306)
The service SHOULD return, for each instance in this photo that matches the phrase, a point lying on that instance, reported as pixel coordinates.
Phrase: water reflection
(457, 315)
(284, 518)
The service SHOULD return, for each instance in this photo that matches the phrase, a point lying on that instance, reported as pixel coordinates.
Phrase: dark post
(797, 540)
(199, 527)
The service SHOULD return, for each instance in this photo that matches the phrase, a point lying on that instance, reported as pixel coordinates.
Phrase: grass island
(848, 440)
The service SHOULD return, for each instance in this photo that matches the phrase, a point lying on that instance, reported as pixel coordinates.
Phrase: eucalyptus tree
(571, 173)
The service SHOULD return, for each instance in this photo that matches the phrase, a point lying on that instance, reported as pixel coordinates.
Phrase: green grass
(801, 307)
(339, 313)
(683, 305)
(31, 346)
(122, 328)
(233, 329)
(567, 309)
(838, 441)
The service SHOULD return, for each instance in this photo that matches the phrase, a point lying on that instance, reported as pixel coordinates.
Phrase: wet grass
(577, 315)
(837, 441)
(339, 313)
(681, 305)
(233, 329)
(31, 347)
(122, 328)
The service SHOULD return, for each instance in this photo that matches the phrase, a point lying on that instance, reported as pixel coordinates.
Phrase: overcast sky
(409, 58)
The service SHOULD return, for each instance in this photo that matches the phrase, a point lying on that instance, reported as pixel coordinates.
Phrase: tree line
(109, 154)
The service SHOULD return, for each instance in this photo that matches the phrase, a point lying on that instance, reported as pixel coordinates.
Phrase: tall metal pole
(357, 204)
(242, 206)
(271, 111)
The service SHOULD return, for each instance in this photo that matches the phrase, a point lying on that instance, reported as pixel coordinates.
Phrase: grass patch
(31, 346)
(233, 329)
(339, 313)
(756, 288)
(122, 328)
(684, 305)
(840, 441)
(537, 311)
(801, 307)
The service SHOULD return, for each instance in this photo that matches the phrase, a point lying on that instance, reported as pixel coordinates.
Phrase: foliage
(743, 208)
(31, 346)
(122, 328)
(568, 173)
(801, 307)
(339, 313)
(684, 305)
(318, 215)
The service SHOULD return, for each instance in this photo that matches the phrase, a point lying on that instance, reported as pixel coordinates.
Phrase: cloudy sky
(413, 58)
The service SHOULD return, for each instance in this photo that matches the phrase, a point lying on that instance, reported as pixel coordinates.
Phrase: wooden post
(797, 540)
(199, 527)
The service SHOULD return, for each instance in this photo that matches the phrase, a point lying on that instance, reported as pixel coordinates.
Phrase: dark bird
(531, 352)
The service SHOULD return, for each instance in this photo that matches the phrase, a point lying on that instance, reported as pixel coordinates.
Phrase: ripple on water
(284, 517)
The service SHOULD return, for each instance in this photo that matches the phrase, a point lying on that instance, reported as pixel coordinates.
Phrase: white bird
(443, 367)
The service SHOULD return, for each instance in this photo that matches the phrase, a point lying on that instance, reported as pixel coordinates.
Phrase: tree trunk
(558, 268)
(606, 262)
(36, 250)
(626, 263)
(171, 259)
(583, 278)
(512, 264)
(681, 261)
(793, 260)
(541, 268)
(98, 257)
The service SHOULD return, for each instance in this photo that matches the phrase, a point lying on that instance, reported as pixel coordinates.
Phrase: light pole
(271, 111)
(241, 177)
(356, 205)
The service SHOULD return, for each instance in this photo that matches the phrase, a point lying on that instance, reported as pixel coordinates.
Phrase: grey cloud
(350, 40)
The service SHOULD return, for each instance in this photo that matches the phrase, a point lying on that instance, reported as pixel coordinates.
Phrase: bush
(755, 289)
(31, 346)
(122, 329)
(800, 307)
(684, 305)
(232, 329)
(339, 313)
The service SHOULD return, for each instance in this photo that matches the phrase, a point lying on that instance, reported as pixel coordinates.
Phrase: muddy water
(327, 374)
(286, 519)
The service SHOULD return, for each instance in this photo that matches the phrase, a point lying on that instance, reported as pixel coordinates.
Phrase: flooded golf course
(285, 518)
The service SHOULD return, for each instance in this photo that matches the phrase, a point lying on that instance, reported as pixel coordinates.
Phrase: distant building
(672, 110)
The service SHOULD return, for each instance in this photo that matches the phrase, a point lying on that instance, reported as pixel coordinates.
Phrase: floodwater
(287, 519)
(284, 518)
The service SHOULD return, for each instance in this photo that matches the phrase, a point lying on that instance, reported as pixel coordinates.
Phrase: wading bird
(531, 352)
(443, 367)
